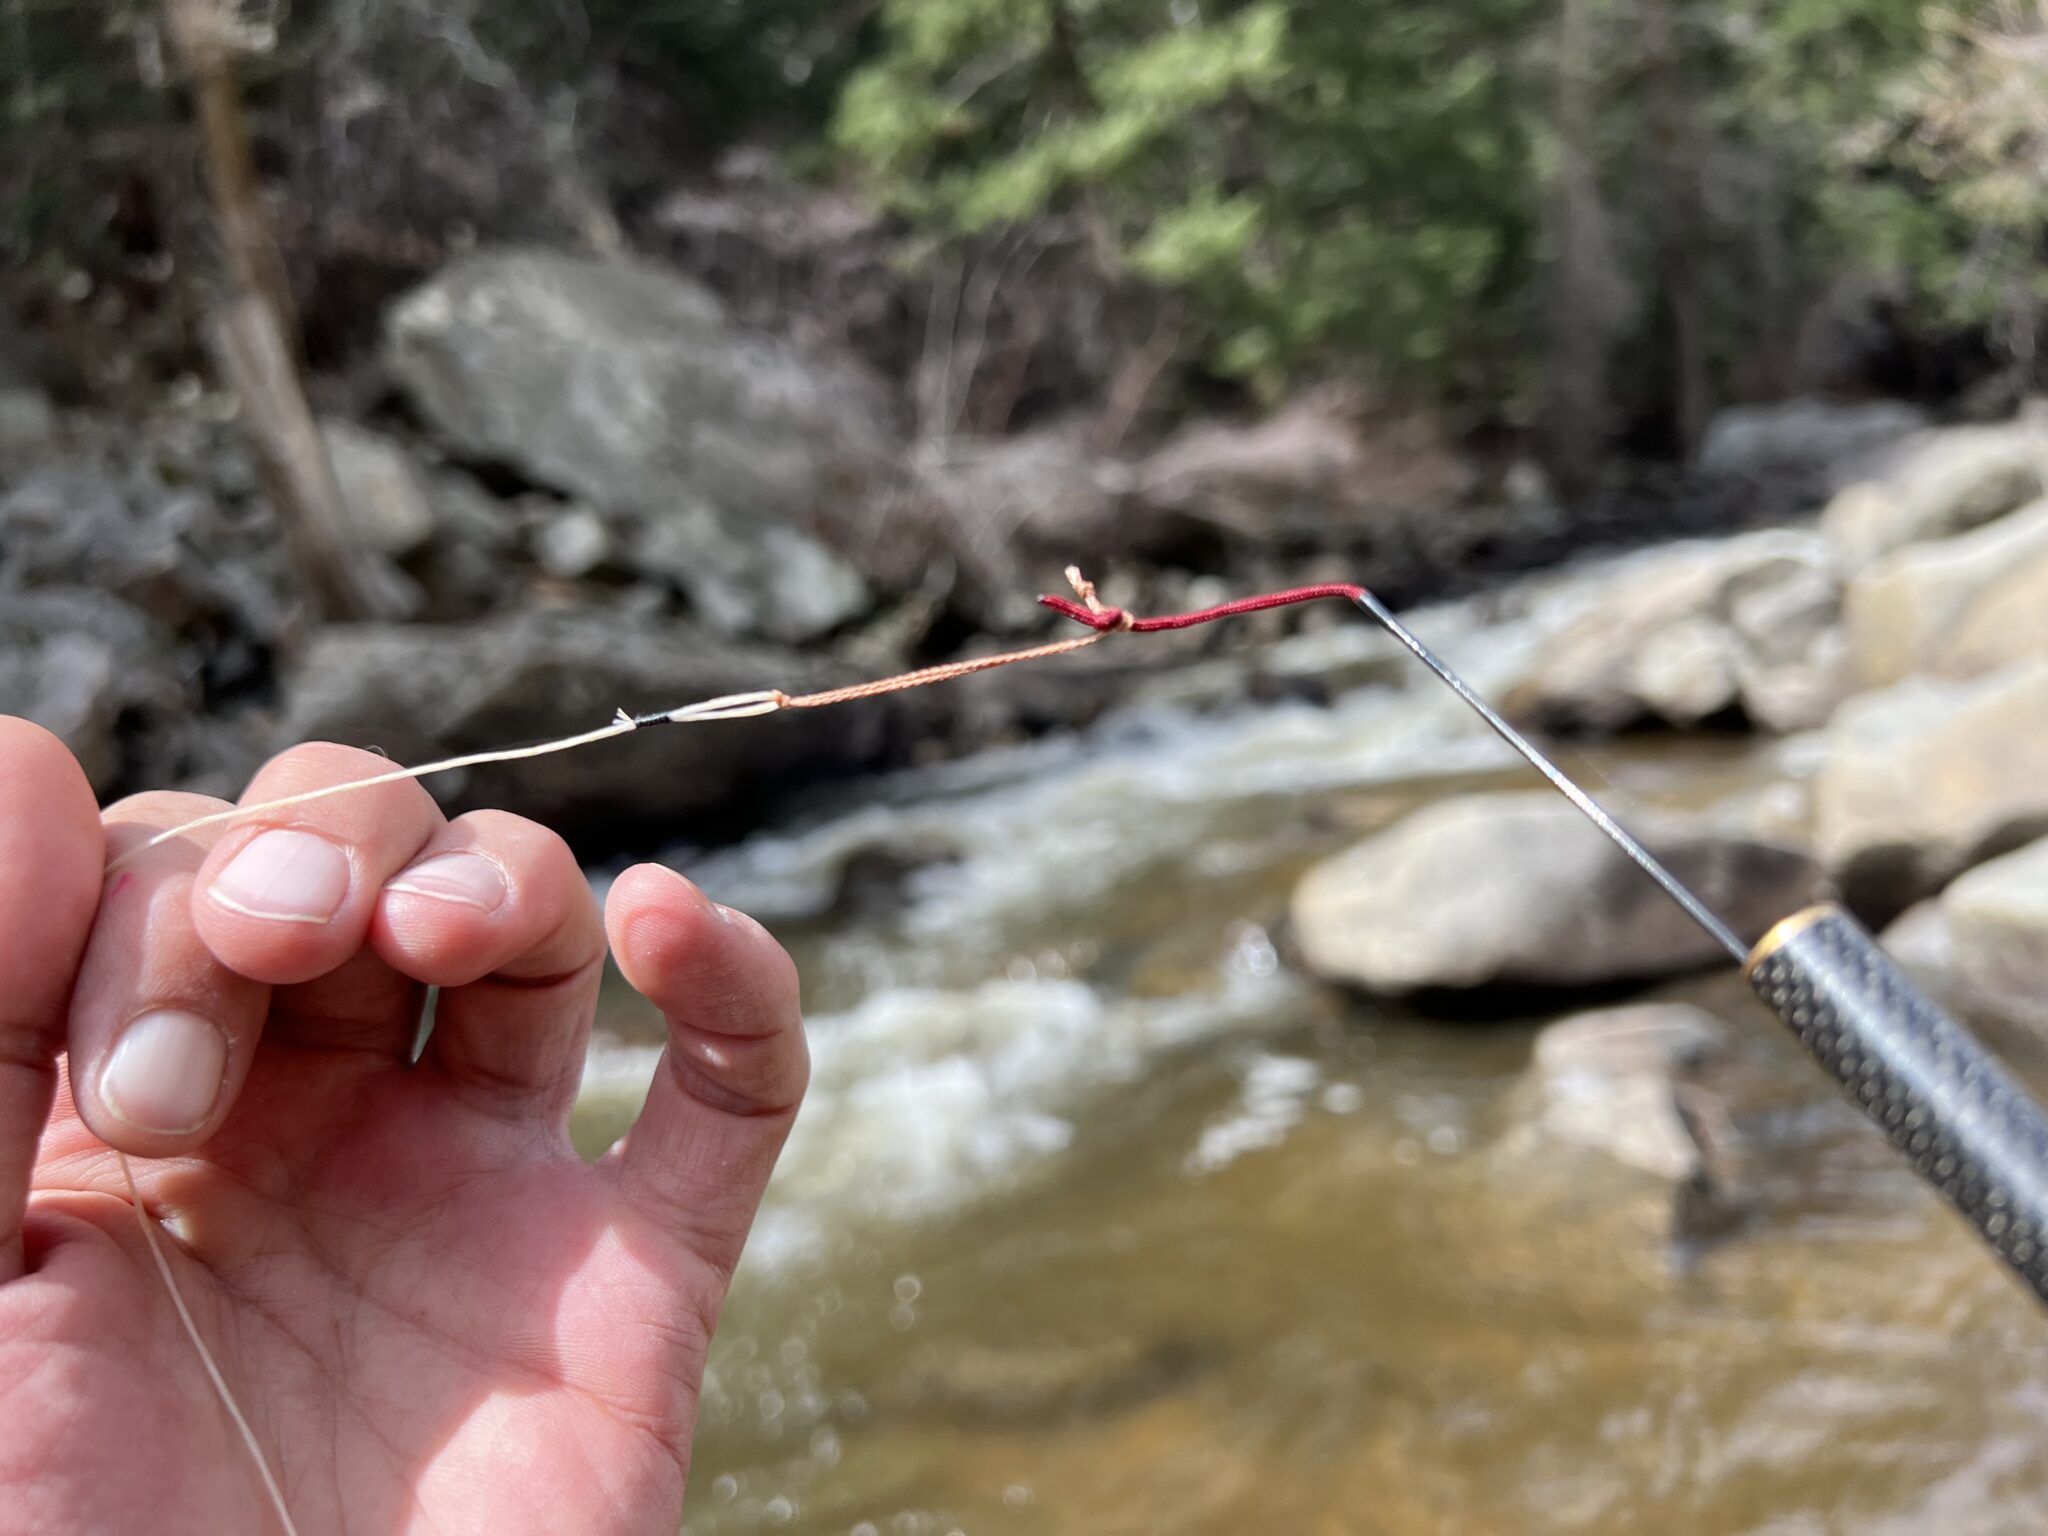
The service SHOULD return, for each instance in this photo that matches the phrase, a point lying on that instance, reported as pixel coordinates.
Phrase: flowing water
(1101, 1218)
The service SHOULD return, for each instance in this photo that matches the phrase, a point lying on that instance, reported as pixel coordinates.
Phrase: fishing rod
(1942, 1100)
(1965, 1125)
(1921, 1078)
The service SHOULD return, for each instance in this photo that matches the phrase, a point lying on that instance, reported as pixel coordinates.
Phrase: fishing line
(220, 1385)
(1084, 608)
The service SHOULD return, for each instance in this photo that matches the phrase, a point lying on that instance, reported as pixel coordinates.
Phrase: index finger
(288, 895)
(50, 861)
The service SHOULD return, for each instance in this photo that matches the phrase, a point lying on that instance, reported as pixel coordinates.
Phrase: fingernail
(467, 878)
(293, 877)
(165, 1072)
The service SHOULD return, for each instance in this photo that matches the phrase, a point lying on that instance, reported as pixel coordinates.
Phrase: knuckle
(312, 764)
(522, 839)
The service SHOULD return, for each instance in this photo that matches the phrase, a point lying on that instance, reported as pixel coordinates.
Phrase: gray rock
(1609, 1080)
(1962, 605)
(2007, 621)
(1801, 436)
(1941, 483)
(1997, 920)
(381, 490)
(773, 582)
(1928, 777)
(1308, 467)
(77, 661)
(167, 550)
(573, 543)
(1690, 631)
(1919, 940)
(1624, 1110)
(627, 385)
(424, 691)
(28, 427)
(1520, 889)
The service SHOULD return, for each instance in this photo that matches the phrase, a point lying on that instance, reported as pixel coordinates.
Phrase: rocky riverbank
(572, 485)
(1893, 671)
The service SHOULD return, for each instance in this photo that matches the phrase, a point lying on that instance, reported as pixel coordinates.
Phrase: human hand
(434, 1314)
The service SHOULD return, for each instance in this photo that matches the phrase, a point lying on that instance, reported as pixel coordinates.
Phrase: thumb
(51, 862)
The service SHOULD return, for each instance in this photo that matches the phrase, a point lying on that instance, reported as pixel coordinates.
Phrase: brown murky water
(1101, 1221)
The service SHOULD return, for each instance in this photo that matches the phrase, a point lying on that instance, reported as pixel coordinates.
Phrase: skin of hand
(435, 1315)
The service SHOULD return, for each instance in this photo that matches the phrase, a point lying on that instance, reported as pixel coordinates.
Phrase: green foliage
(1363, 181)
(1317, 179)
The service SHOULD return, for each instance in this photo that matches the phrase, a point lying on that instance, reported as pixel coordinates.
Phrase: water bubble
(1446, 1139)
(1017, 1495)
(725, 1487)
(902, 1318)
(908, 1287)
(770, 1405)
(793, 1351)
(1252, 952)
(780, 1510)
(864, 1528)
(825, 1446)
(1343, 1098)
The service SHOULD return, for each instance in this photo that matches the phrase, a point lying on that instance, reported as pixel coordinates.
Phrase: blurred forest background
(1589, 221)
(1205, 289)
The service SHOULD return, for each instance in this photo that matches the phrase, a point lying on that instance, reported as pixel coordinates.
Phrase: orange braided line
(938, 674)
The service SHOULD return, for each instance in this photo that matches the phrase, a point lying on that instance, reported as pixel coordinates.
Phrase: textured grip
(1967, 1127)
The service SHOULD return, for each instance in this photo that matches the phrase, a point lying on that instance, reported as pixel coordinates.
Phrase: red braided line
(1117, 618)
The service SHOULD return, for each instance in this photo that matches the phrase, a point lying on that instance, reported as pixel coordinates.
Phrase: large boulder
(1303, 473)
(628, 386)
(425, 691)
(1520, 889)
(1964, 604)
(1928, 777)
(1695, 630)
(2007, 621)
(1997, 921)
(1941, 483)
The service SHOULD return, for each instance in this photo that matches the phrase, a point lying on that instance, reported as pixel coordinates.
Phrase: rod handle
(1968, 1128)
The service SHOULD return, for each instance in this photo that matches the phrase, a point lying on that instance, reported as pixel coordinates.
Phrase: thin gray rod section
(1696, 909)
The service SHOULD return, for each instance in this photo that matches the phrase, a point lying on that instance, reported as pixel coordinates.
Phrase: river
(1101, 1218)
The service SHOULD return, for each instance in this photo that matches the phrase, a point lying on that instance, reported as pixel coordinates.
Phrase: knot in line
(1102, 618)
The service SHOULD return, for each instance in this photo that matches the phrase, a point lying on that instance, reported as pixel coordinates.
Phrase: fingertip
(652, 916)
(700, 963)
(442, 921)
